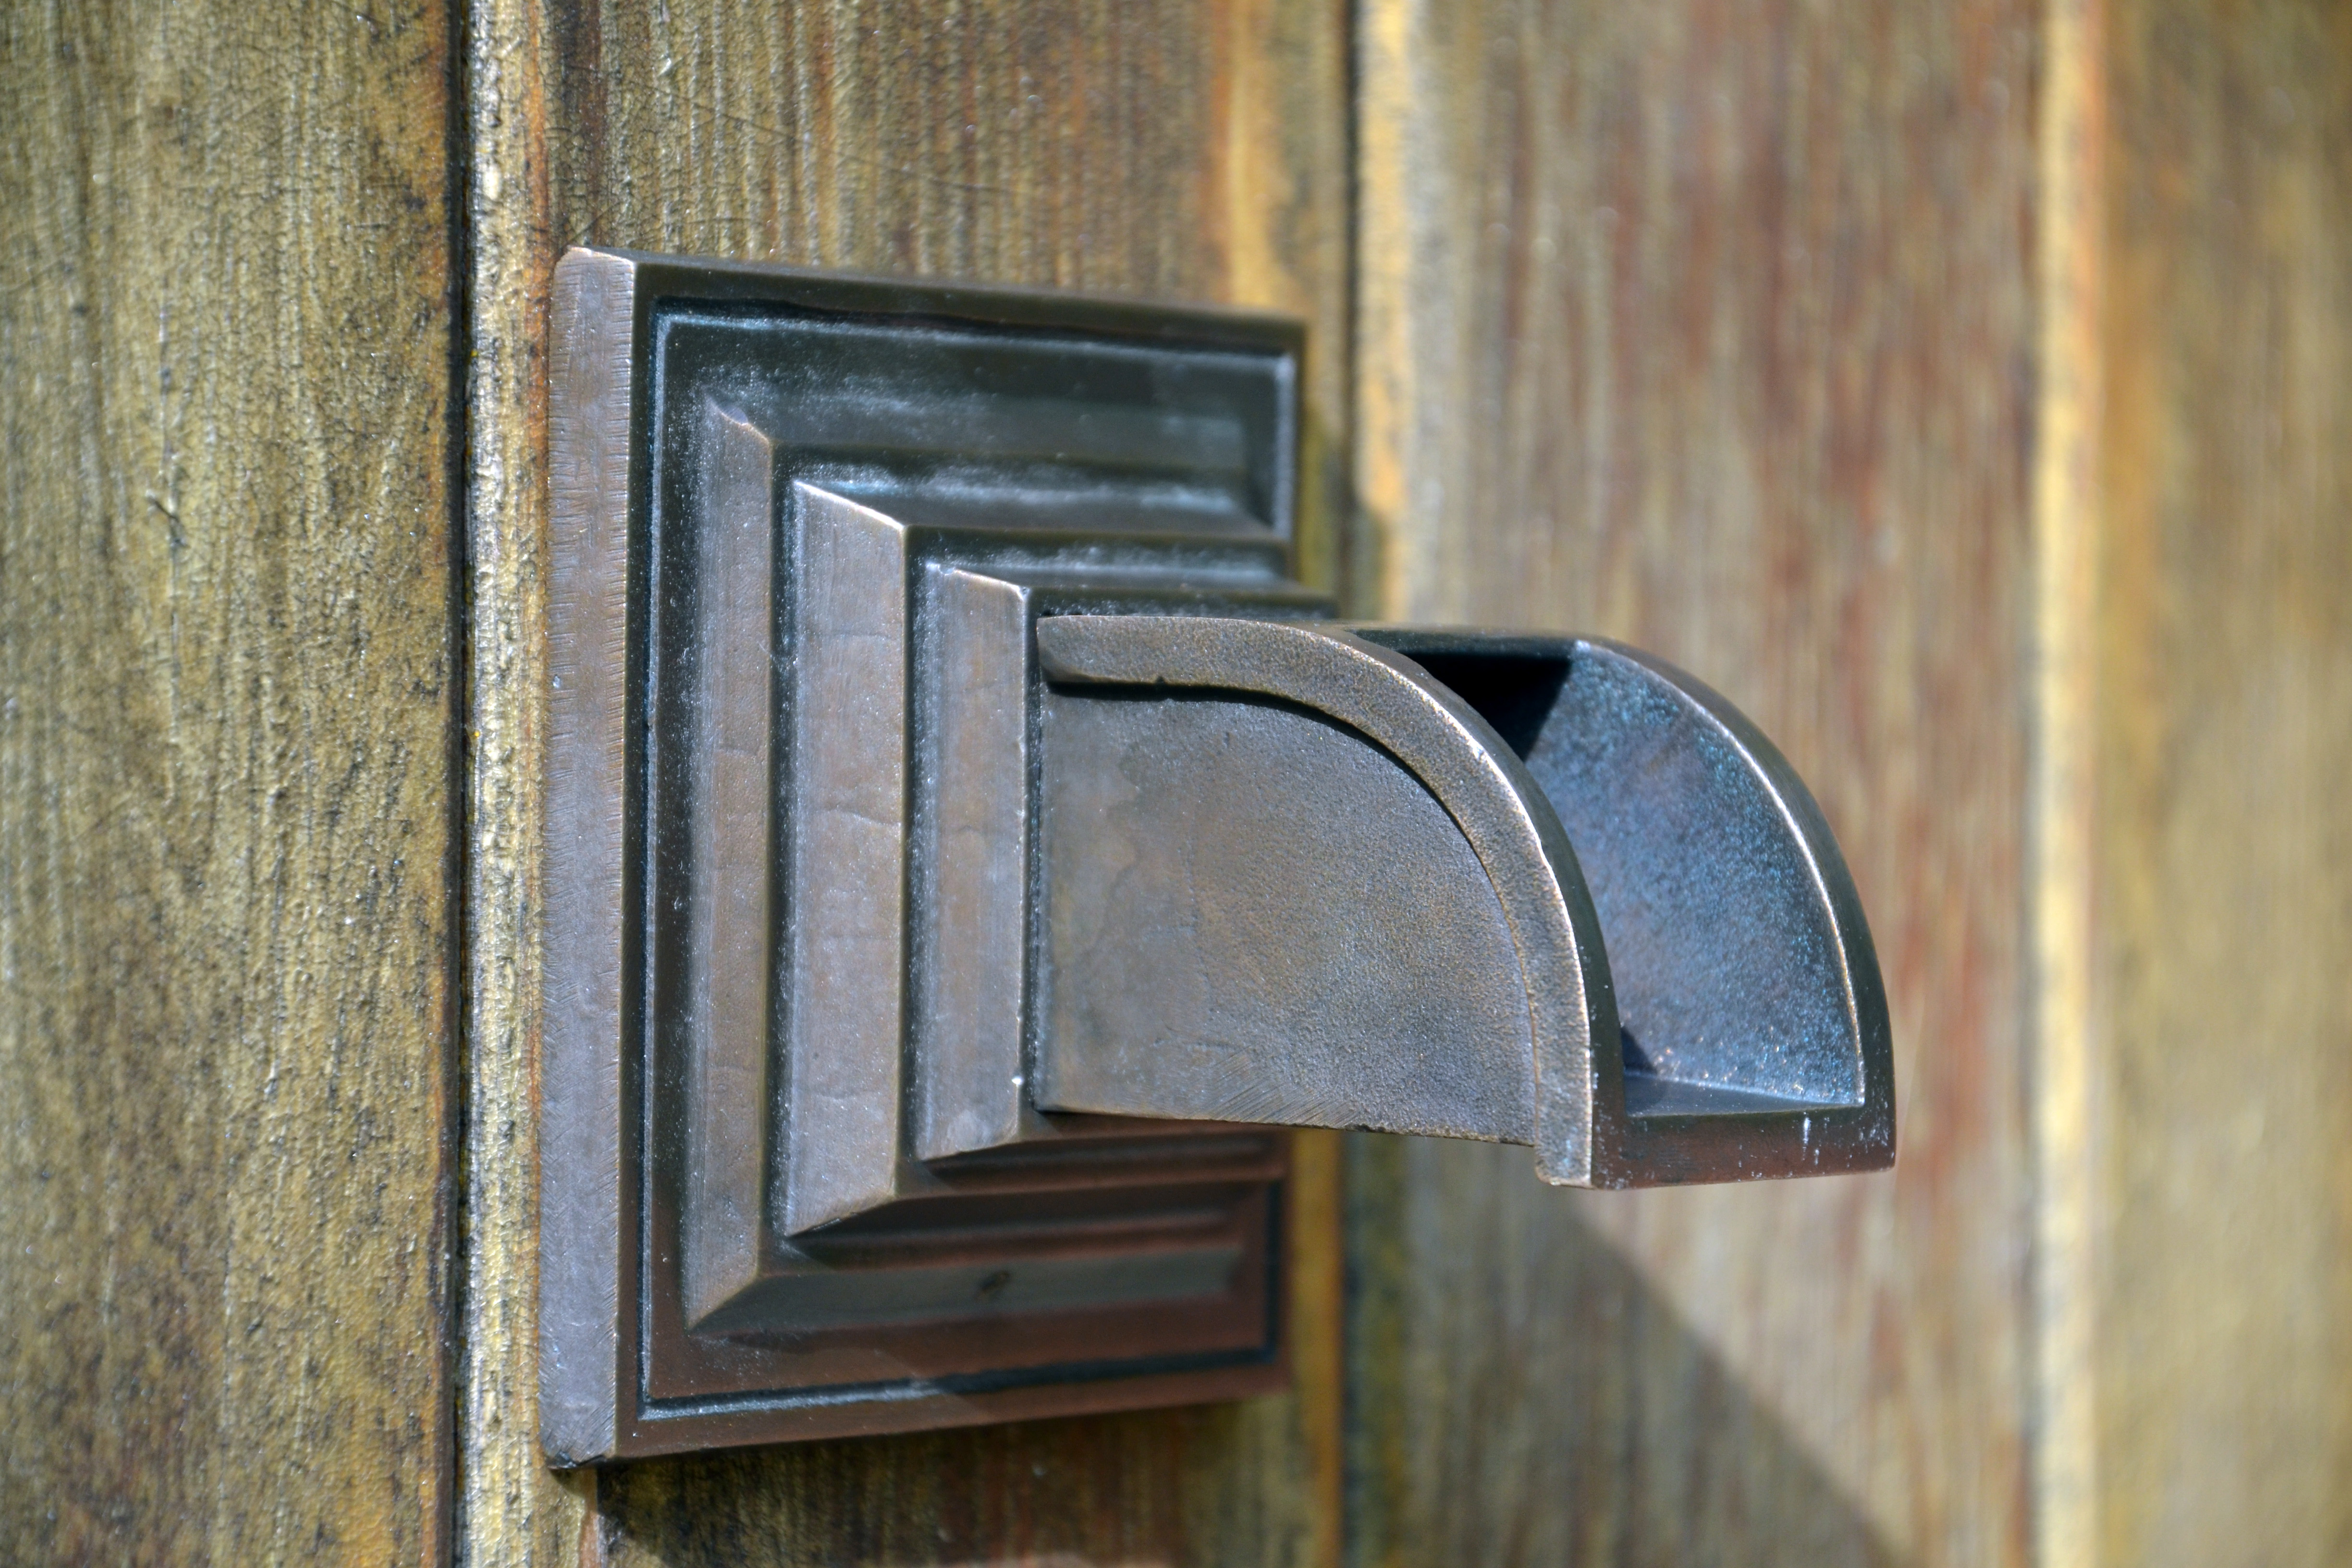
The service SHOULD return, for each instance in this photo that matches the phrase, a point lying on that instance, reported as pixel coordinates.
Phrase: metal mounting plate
(1090, 450)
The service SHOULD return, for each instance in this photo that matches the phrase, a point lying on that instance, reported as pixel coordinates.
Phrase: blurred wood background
(2222, 1374)
(1963, 387)
(1713, 329)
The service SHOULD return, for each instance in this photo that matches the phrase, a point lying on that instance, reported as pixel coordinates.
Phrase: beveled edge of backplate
(592, 478)
(592, 1229)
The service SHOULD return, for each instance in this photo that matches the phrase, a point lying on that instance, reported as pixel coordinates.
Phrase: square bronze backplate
(1079, 445)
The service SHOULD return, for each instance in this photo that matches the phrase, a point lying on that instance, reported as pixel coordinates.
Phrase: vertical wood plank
(2224, 853)
(1160, 150)
(1711, 327)
(2066, 1081)
(227, 693)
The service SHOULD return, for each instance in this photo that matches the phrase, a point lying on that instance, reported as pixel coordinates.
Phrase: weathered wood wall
(1166, 150)
(2223, 1379)
(228, 691)
(1712, 327)
(1962, 386)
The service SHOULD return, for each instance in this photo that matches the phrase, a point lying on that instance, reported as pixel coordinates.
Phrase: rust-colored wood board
(1712, 327)
(2224, 849)
(1163, 152)
(227, 693)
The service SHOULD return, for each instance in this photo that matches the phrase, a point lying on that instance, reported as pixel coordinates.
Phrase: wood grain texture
(2224, 855)
(1711, 327)
(2066, 1081)
(228, 698)
(1160, 150)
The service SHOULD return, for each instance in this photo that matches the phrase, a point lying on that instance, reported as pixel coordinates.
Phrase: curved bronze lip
(1597, 1124)
(1459, 758)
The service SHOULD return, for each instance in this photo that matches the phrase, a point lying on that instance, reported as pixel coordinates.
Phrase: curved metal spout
(1275, 1013)
(1272, 910)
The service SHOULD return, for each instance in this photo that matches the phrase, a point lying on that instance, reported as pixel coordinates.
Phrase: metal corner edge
(592, 356)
